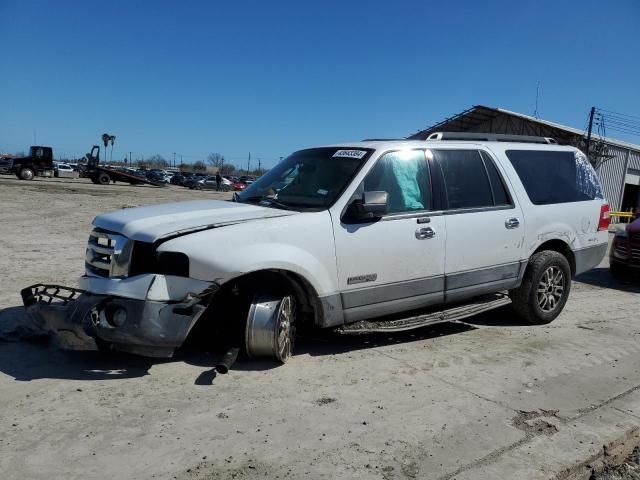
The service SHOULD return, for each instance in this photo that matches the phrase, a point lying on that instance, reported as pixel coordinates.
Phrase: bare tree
(216, 160)
(227, 169)
(156, 161)
(199, 165)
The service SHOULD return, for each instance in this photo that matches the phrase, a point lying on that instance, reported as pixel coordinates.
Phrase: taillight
(603, 224)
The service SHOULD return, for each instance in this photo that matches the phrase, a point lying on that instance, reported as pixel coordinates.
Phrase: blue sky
(270, 77)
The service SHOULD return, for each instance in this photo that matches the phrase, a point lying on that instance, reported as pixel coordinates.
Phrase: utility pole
(259, 166)
(249, 164)
(174, 159)
(129, 158)
(591, 115)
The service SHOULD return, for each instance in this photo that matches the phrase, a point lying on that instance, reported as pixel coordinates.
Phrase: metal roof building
(617, 163)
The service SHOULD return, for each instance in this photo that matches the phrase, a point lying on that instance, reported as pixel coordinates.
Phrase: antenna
(535, 112)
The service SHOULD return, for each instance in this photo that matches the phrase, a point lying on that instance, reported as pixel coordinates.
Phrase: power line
(611, 112)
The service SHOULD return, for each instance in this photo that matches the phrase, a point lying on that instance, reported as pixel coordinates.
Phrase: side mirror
(373, 205)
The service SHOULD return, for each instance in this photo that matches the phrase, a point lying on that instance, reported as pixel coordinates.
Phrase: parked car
(209, 183)
(62, 167)
(155, 176)
(238, 186)
(624, 256)
(178, 179)
(190, 181)
(373, 236)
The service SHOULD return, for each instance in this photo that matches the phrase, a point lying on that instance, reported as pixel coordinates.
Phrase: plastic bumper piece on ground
(143, 327)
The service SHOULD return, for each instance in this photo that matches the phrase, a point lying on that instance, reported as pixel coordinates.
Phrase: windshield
(312, 178)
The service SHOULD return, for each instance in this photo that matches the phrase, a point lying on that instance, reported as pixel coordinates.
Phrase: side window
(500, 195)
(404, 175)
(555, 176)
(465, 178)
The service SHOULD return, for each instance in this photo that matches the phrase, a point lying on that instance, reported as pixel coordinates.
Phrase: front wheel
(270, 329)
(544, 289)
(26, 174)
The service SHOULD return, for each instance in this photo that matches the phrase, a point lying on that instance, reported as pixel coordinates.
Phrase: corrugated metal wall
(613, 171)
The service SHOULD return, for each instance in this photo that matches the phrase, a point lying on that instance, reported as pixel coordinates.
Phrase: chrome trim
(108, 254)
(420, 214)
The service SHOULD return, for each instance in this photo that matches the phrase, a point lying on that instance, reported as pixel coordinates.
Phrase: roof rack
(490, 137)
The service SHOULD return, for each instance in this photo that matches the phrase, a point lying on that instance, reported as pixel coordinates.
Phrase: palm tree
(112, 138)
(105, 139)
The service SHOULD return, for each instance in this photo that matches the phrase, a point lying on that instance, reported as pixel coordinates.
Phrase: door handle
(424, 233)
(512, 223)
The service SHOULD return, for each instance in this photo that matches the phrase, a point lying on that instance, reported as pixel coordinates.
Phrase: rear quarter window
(555, 176)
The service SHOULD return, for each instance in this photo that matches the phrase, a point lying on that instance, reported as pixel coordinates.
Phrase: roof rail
(490, 137)
(382, 139)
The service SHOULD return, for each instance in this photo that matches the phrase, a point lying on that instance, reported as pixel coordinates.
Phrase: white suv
(367, 236)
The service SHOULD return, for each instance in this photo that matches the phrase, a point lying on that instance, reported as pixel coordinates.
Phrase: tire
(544, 289)
(26, 174)
(270, 328)
(104, 178)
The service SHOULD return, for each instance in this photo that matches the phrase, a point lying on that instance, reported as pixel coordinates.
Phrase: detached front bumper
(141, 326)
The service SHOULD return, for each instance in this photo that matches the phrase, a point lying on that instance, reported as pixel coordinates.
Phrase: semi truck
(39, 163)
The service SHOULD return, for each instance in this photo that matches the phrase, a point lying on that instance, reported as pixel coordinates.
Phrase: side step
(447, 314)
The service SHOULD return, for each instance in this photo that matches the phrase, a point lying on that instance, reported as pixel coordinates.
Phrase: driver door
(396, 262)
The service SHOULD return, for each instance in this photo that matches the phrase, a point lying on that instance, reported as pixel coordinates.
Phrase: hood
(148, 224)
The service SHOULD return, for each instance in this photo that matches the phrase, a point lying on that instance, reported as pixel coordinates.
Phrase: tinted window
(404, 175)
(500, 195)
(465, 178)
(555, 177)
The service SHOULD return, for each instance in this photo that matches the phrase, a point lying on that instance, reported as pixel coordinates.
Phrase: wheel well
(562, 248)
(276, 279)
(235, 295)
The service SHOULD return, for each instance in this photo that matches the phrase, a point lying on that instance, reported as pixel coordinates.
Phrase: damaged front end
(154, 325)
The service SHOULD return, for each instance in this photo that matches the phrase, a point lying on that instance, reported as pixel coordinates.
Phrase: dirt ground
(491, 398)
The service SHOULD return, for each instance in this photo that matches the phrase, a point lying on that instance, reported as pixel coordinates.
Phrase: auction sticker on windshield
(350, 153)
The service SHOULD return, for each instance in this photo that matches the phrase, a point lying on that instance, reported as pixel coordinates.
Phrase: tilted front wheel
(270, 330)
(544, 289)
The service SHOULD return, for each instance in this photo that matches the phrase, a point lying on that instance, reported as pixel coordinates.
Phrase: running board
(450, 314)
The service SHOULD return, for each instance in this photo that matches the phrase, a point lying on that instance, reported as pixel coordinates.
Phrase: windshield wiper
(267, 201)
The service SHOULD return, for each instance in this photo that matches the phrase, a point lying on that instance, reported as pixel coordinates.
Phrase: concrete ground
(489, 399)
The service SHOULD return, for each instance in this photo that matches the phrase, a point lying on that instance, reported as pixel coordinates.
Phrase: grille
(635, 237)
(5, 165)
(108, 254)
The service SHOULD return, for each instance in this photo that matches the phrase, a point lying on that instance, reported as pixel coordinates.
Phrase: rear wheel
(544, 289)
(104, 179)
(270, 329)
(26, 174)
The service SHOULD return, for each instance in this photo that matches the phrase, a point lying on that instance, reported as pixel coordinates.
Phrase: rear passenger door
(485, 230)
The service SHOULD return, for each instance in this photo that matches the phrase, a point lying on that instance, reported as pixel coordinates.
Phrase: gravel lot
(490, 398)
